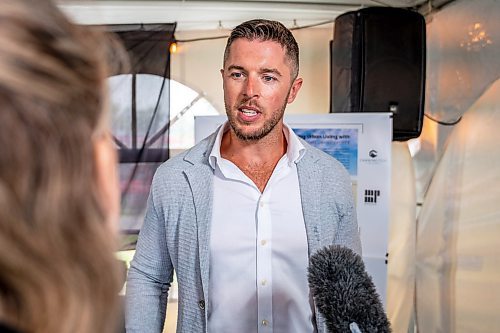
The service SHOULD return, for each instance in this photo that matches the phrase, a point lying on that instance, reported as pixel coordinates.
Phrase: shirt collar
(295, 149)
(215, 153)
(294, 152)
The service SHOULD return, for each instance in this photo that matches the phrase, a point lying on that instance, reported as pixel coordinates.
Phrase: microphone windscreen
(344, 292)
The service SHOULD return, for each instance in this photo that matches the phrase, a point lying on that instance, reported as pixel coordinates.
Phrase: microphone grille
(344, 292)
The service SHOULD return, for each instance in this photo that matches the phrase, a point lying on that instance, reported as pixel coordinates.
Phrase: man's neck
(257, 159)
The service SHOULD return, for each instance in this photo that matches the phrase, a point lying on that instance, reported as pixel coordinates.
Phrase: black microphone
(344, 293)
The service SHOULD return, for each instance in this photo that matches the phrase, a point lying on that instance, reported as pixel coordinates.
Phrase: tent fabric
(140, 103)
(139, 156)
(457, 271)
(458, 257)
(463, 41)
(401, 246)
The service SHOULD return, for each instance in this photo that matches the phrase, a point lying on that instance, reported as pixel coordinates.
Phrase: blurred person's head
(59, 195)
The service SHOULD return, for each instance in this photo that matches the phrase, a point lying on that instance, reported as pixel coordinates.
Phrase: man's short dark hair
(266, 30)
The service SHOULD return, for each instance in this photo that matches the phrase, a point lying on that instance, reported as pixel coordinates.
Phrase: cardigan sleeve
(150, 274)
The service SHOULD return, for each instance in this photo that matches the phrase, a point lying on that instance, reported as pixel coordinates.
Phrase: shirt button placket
(264, 293)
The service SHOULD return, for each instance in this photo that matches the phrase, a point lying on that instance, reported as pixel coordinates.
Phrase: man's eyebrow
(271, 70)
(262, 70)
(232, 67)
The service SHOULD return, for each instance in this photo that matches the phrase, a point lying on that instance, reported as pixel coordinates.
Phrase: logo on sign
(373, 157)
(371, 196)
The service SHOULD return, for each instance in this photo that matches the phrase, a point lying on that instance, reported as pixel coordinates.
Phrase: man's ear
(294, 89)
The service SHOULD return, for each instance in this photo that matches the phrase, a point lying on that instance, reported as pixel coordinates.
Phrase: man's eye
(236, 75)
(269, 78)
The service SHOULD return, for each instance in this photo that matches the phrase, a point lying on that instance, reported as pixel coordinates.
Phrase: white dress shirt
(258, 249)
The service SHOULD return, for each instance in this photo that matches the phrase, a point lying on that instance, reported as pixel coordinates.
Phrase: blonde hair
(57, 268)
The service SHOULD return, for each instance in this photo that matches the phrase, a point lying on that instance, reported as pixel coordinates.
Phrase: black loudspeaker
(378, 64)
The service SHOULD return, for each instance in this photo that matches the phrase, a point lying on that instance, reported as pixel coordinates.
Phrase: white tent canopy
(207, 15)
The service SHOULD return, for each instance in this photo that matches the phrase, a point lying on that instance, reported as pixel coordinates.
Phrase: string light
(173, 47)
(477, 38)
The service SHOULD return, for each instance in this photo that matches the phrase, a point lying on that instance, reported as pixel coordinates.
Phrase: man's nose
(251, 88)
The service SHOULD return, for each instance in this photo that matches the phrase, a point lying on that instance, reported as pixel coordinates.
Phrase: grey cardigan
(176, 232)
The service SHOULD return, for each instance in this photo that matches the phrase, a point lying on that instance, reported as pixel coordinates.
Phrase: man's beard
(260, 133)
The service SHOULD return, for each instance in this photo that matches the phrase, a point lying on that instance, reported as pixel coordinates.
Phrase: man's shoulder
(196, 155)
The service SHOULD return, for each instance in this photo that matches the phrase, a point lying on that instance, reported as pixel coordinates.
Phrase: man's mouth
(248, 112)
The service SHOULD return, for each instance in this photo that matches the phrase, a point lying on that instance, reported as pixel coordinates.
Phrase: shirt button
(261, 204)
(201, 304)
(263, 242)
(265, 322)
(263, 282)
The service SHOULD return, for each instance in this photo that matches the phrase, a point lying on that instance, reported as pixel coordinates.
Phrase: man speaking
(238, 215)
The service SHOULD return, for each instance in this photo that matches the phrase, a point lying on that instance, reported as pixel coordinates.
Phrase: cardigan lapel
(200, 178)
(310, 185)
(310, 192)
